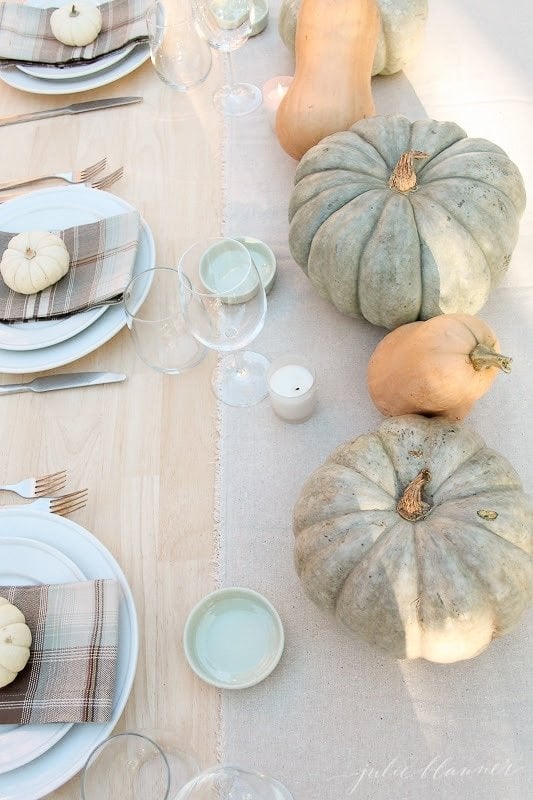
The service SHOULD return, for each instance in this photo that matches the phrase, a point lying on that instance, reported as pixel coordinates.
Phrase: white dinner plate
(26, 562)
(36, 211)
(58, 764)
(14, 77)
(44, 206)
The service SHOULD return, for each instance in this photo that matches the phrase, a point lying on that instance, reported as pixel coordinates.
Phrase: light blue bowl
(233, 638)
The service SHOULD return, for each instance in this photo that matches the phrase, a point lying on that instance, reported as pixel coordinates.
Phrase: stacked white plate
(37, 547)
(78, 78)
(37, 346)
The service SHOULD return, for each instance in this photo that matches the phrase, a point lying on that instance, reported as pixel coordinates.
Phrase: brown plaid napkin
(102, 255)
(26, 36)
(70, 676)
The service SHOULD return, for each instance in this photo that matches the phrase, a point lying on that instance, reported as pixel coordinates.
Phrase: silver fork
(99, 183)
(65, 504)
(76, 176)
(38, 487)
(107, 180)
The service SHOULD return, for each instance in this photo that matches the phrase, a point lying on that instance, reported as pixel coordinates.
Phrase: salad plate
(26, 562)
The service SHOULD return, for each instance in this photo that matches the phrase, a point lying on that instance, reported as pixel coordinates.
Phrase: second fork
(75, 176)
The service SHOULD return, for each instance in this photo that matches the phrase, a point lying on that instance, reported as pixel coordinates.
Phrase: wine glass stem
(238, 362)
(231, 77)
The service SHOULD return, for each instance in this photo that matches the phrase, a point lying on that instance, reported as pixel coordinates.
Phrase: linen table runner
(26, 36)
(102, 255)
(70, 676)
(338, 718)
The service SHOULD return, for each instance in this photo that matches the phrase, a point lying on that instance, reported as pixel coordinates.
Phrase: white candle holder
(292, 388)
(274, 91)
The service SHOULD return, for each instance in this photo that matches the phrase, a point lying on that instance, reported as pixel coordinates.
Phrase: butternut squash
(334, 49)
(439, 367)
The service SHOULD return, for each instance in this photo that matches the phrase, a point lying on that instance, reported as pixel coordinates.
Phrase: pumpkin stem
(74, 11)
(29, 253)
(483, 357)
(410, 505)
(403, 178)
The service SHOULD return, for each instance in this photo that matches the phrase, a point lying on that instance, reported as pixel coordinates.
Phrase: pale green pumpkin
(399, 40)
(396, 221)
(418, 538)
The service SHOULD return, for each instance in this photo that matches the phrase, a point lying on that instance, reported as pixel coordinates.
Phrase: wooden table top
(145, 449)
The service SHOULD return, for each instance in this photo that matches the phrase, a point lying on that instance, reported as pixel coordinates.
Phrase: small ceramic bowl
(260, 16)
(264, 259)
(220, 268)
(233, 638)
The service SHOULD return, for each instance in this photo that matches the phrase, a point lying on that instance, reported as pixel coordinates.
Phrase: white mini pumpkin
(15, 641)
(77, 23)
(33, 261)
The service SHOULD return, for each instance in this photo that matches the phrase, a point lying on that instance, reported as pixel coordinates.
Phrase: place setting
(73, 47)
(100, 241)
(68, 648)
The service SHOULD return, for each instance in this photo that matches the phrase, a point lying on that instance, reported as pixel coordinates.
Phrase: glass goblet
(224, 306)
(227, 24)
(126, 765)
(155, 321)
(181, 57)
(233, 783)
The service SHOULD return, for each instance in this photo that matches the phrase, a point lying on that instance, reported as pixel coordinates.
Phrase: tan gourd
(440, 367)
(15, 641)
(400, 36)
(335, 45)
(418, 538)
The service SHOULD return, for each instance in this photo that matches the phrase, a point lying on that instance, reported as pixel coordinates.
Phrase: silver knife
(75, 108)
(69, 380)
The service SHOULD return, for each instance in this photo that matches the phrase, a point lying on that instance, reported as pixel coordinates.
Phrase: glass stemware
(224, 306)
(181, 57)
(155, 321)
(136, 765)
(227, 24)
(233, 783)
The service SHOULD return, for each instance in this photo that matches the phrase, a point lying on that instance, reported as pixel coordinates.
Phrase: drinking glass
(227, 24)
(181, 57)
(155, 321)
(136, 766)
(233, 783)
(224, 305)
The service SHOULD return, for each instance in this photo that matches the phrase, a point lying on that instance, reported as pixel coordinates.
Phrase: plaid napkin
(102, 255)
(26, 36)
(70, 676)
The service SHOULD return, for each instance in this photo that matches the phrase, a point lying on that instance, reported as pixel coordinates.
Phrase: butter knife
(69, 380)
(75, 108)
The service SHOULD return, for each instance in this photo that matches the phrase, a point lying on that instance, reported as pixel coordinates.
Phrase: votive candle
(292, 388)
(274, 91)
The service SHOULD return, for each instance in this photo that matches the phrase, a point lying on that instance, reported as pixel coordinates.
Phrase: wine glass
(227, 782)
(227, 24)
(134, 766)
(224, 306)
(181, 58)
(155, 321)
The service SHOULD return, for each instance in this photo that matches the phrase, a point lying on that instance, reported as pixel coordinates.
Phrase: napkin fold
(70, 676)
(26, 36)
(102, 255)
